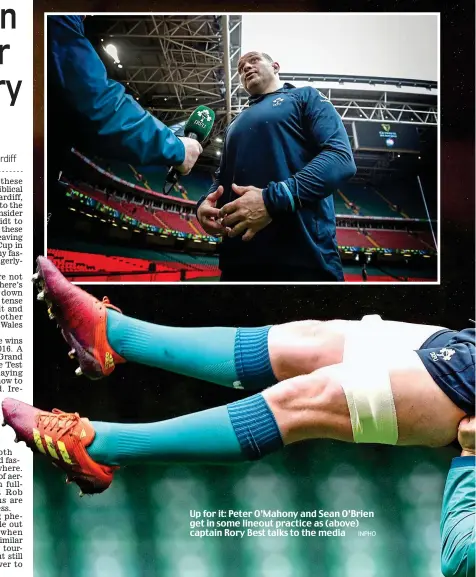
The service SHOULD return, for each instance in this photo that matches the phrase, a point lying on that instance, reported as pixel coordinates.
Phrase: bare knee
(302, 347)
(311, 406)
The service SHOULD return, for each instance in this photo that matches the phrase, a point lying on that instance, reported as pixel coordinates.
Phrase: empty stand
(340, 205)
(367, 200)
(173, 267)
(188, 224)
(97, 267)
(178, 222)
(407, 196)
(391, 239)
(396, 239)
(352, 237)
(159, 218)
(192, 186)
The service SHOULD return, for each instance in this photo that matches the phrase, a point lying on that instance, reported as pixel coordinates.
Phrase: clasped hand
(247, 214)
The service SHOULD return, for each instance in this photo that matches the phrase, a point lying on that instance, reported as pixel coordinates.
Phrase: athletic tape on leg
(371, 405)
(367, 383)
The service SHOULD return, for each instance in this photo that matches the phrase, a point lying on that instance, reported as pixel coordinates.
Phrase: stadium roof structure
(173, 63)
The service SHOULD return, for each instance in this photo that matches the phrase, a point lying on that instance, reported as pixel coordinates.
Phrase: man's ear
(276, 67)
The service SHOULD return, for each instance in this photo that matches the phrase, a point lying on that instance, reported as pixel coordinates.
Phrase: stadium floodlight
(218, 139)
(112, 51)
(218, 153)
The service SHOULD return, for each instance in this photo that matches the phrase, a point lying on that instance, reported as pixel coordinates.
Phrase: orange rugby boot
(82, 319)
(63, 439)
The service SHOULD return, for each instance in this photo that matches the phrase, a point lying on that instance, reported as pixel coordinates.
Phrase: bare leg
(314, 405)
(302, 347)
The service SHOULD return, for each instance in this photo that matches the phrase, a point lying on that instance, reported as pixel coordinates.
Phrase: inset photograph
(204, 148)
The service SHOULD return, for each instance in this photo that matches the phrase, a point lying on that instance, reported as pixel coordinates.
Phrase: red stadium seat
(114, 268)
(352, 237)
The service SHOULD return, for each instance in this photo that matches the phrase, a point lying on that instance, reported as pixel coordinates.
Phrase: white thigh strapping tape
(366, 383)
(371, 404)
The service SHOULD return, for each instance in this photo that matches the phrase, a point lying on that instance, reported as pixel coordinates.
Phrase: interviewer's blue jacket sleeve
(332, 165)
(123, 129)
(458, 520)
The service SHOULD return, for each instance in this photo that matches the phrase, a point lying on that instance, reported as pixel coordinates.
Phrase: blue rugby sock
(242, 431)
(226, 356)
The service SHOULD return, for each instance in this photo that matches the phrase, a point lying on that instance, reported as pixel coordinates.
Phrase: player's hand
(246, 214)
(466, 436)
(193, 149)
(209, 215)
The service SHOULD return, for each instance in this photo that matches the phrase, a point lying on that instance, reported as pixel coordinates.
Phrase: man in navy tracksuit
(283, 157)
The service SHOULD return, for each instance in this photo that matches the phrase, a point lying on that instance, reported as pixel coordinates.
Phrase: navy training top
(293, 144)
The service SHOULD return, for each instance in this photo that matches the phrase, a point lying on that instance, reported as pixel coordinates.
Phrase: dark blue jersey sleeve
(122, 128)
(332, 164)
(458, 520)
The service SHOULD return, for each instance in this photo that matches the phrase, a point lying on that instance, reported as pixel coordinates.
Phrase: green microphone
(198, 127)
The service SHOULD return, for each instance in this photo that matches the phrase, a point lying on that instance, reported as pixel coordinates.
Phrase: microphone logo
(206, 113)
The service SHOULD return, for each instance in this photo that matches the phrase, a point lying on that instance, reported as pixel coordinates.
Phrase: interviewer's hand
(208, 214)
(193, 149)
(466, 436)
(246, 214)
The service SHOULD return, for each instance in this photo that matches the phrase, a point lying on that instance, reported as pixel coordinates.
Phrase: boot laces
(106, 302)
(59, 421)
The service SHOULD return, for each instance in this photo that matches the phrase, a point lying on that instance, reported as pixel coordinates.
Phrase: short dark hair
(255, 52)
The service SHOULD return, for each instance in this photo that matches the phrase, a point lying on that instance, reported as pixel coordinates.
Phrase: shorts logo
(444, 354)
(278, 101)
(237, 385)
